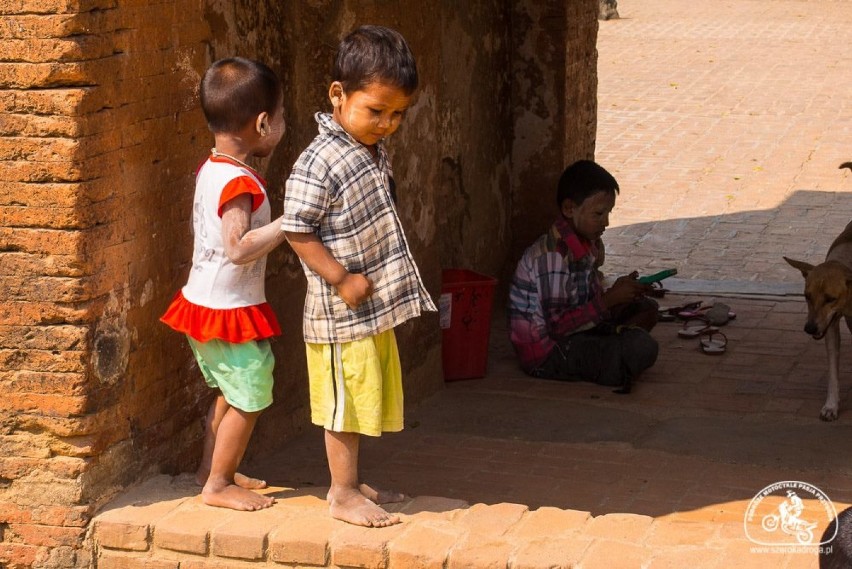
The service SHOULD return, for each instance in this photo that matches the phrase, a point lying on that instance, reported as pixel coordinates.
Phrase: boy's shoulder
(555, 244)
(331, 153)
(539, 248)
(327, 145)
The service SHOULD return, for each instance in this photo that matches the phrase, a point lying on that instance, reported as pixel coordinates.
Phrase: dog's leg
(832, 348)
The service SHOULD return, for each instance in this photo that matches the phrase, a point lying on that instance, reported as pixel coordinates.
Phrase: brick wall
(99, 136)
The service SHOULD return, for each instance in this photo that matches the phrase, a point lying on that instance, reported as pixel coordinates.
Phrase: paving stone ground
(725, 123)
(507, 471)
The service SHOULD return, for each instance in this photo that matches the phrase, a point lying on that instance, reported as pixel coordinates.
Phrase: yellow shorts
(356, 387)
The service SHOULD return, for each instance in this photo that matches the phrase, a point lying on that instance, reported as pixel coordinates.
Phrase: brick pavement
(725, 123)
(507, 471)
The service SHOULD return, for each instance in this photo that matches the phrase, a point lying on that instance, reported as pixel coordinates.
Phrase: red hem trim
(236, 325)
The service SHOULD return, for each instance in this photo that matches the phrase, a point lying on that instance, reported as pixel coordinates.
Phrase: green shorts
(242, 372)
(356, 387)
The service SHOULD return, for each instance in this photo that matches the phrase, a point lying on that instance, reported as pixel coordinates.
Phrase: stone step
(164, 525)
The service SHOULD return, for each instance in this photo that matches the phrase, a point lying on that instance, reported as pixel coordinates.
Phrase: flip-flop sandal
(720, 316)
(670, 314)
(695, 327)
(713, 344)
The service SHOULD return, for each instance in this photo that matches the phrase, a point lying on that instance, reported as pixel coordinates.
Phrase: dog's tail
(846, 165)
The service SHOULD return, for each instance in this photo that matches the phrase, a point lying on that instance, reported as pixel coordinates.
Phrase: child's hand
(625, 289)
(354, 289)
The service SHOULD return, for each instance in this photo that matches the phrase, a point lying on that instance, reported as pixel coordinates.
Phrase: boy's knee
(647, 314)
(639, 350)
(643, 313)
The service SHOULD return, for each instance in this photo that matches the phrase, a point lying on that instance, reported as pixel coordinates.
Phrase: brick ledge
(164, 525)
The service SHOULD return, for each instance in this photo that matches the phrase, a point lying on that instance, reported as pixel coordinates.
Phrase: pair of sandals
(703, 322)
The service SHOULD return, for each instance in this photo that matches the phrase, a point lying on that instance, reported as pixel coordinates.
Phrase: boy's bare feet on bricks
(351, 506)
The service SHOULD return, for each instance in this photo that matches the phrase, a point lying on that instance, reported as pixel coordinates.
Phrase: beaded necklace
(237, 160)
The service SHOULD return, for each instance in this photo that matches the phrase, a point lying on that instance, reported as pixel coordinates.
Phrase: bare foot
(248, 482)
(349, 505)
(235, 498)
(380, 496)
(240, 480)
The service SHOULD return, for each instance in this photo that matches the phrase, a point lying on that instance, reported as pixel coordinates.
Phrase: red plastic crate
(466, 301)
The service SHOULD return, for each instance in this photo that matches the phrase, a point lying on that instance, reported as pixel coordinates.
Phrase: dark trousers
(611, 354)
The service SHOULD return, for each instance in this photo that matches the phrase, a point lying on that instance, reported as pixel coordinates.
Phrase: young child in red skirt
(223, 309)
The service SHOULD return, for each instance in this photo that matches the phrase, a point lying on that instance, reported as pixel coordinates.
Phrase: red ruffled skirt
(235, 325)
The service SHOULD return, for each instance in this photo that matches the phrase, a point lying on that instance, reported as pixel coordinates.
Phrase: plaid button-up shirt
(339, 192)
(556, 291)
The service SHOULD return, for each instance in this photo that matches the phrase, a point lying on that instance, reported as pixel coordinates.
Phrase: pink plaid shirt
(556, 291)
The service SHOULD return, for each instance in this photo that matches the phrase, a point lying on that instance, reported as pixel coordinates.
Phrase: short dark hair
(582, 179)
(235, 90)
(374, 53)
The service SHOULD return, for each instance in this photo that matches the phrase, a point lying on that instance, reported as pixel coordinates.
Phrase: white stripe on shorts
(339, 389)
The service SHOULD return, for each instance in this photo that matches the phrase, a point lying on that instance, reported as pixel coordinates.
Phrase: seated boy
(563, 324)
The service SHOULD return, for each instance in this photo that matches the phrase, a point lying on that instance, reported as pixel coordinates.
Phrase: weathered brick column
(554, 98)
(96, 133)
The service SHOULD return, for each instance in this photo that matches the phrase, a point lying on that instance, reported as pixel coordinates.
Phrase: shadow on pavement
(697, 431)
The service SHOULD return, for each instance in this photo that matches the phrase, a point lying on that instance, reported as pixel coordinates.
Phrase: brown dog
(828, 292)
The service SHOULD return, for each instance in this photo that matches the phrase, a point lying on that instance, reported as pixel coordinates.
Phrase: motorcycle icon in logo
(789, 521)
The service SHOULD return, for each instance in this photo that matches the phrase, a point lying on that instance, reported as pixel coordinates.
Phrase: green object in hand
(657, 277)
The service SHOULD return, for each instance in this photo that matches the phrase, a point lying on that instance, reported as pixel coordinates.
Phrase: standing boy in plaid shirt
(562, 322)
(341, 220)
